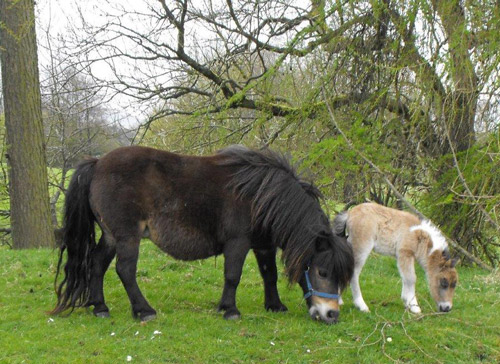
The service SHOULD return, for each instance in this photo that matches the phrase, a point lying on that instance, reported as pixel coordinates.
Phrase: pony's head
(326, 275)
(443, 278)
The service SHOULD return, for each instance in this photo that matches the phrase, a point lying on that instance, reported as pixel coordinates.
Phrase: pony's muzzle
(444, 306)
(333, 315)
(323, 311)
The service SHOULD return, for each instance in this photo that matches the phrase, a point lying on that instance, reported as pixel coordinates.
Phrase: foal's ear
(454, 262)
(450, 263)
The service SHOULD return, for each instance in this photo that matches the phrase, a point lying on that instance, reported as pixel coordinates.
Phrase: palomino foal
(402, 235)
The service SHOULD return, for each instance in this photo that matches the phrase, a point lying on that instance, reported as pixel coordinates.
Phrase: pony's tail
(78, 240)
(339, 223)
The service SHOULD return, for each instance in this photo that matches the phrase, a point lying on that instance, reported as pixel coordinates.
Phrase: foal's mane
(284, 207)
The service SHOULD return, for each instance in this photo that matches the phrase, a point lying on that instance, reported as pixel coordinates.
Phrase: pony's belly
(188, 250)
(183, 242)
(189, 247)
(384, 248)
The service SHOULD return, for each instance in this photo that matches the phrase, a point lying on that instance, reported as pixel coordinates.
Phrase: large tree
(412, 59)
(29, 198)
(412, 83)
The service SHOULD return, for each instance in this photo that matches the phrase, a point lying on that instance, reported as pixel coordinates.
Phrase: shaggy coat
(194, 208)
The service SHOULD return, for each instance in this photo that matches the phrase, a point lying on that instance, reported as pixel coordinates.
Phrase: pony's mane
(284, 207)
(437, 238)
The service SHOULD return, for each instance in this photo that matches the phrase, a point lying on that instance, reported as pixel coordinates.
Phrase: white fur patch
(438, 240)
(321, 309)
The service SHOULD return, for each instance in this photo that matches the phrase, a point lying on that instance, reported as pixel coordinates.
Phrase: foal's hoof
(102, 314)
(232, 314)
(415, 309)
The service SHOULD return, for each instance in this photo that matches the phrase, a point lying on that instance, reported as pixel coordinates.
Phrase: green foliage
(467, 211)
(188, 328)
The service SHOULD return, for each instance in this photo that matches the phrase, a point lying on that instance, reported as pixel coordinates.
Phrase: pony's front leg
(266, 260)
(127, 254)
(235, 252)
(406, 266)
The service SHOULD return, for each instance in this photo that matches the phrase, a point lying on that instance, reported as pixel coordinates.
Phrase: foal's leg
(101, 258)
(127, 254)
(267, 266)
(361, 253)
(235, 253)
(406, 266)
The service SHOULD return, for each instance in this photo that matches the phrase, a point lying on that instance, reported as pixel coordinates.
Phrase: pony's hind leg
(127, 254)
(266, 260)
(235, 252)
(361, 253)
(406, 266)
(101, 258)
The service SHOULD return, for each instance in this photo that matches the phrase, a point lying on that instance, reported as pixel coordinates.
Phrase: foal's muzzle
(444, 307)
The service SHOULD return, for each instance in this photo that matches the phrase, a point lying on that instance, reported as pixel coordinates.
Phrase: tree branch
(394, 189)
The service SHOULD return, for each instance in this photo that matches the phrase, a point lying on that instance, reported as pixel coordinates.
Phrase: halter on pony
(311, 292)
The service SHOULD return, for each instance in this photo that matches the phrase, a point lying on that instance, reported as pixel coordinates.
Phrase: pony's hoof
(102, 314)
(277, 308)
(148, 317)
(232, 314)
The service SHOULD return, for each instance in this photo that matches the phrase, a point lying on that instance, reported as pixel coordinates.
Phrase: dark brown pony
(195, 208)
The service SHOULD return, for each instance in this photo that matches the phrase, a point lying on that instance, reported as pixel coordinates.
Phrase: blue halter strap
(311, 292)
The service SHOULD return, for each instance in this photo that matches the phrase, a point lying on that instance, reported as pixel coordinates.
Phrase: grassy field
(188, 328)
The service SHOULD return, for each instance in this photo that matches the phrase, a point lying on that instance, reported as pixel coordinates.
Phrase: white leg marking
(412, 304)
(360, 260)
(406, 268)
(356, 293)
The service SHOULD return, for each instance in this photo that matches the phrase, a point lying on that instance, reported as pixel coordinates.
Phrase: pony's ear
(322, 245)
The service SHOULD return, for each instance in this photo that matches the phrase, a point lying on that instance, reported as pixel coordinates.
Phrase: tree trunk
(28, 189)
(461, 104)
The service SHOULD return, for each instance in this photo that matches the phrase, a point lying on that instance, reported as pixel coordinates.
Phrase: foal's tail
(78, 239)
(340, 223)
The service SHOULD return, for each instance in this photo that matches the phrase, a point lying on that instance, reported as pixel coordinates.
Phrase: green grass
(185, 295)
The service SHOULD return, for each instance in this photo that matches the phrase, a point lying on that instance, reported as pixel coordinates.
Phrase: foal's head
(328, 272)
(443, 279)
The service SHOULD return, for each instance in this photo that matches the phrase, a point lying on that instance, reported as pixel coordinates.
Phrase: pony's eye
(322, 273)
(444, 283)
(453, 284)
